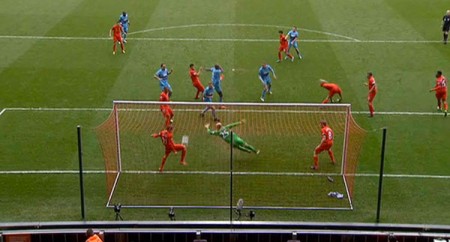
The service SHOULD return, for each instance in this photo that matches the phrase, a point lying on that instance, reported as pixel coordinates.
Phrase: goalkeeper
(225, 133)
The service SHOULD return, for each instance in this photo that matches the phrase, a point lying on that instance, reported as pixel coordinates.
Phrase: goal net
(278, 177)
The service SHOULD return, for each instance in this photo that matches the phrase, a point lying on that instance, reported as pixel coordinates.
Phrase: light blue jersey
(208, 94)
(264, 74)
(163, 74)
(216, 73)
(293, 36)
(123, 19)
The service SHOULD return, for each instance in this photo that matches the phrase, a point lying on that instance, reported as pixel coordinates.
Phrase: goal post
(284, 134)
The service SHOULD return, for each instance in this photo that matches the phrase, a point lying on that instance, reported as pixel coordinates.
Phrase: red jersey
(283, 41)
(164, 98)
(194, 76)
(331, 87)
(372, 84)
(167, 139)
(327, 134)
(117, 30)
(441, 84)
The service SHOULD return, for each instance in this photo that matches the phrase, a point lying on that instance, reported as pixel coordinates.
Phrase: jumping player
(325, 144)
(117, 30)
(293, 41)
(441, 92)
(167, 140)
(208, 97)
(196, 80)
(225, 133)
(162, 75)
(332, 90)
(446, 26)
(217, 76)
(123, 19)
(284, 47)
(372, 92)
(166, 110)
(264, 76)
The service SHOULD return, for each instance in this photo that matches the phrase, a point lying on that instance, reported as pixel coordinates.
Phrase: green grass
(82, 73)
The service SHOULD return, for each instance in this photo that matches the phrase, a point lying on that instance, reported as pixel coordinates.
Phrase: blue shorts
(125, 28)
(162, 86)
(295, 44)
(268, 81)
(218, 87)
(207, 99)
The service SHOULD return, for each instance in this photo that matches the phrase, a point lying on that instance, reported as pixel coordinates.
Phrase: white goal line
(50, 172)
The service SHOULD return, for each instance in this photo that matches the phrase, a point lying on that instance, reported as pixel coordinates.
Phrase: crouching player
(167, 140)
(333, 89)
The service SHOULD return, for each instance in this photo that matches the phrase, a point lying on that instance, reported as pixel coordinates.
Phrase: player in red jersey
(284, 44)
(325, 144)
(332, 90)
(117, 30)
(167, 140)
(196, 80)
(166, 111)
(372, 92)
(441, 92)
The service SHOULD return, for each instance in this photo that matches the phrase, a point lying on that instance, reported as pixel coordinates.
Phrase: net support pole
(231, 179)
(80, 160)
(380, 182)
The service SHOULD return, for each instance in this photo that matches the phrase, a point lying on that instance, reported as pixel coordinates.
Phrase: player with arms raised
(264, 76)
(195, 77)
(166, 110)
(372, 92)
(116, 32)
(167, 140)
(216, 78)
(441, 92)
(325, 144)
(284, 45)
(225, 133)
(332, 90)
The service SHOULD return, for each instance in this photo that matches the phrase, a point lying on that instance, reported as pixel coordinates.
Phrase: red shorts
(177, 147)
(335, 91)
(324, 146)
(371, 96)
(117, 38)
(283, 48)
(441, 95)
(199, 86)
(167, 112)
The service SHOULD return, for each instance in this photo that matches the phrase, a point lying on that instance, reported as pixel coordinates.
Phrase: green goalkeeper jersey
(225, 133)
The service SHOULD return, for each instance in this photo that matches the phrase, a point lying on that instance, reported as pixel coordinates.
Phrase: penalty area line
(3, 110)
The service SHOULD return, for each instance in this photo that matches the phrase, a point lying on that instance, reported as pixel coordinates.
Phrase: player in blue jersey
(123, 19)
(217, 76)
(162, 75)
(208, 94)
(292, 37)
(264, 76)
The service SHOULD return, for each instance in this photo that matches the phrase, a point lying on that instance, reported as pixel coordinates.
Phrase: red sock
(371, 109)
(316, 162)
(279, 55)
(163, 162)
(330, 152)
(114, 47)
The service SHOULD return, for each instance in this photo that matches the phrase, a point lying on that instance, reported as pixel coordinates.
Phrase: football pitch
(58, 72)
